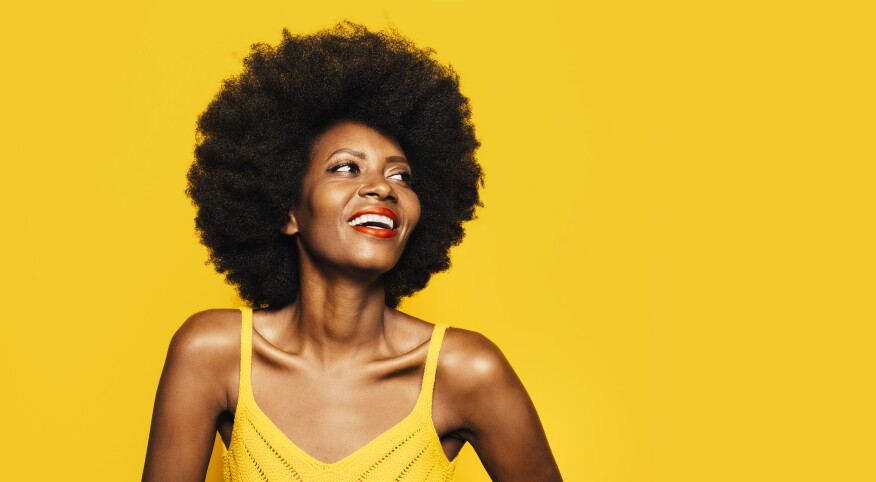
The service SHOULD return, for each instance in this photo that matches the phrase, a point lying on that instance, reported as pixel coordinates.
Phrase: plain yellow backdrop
(676, 252)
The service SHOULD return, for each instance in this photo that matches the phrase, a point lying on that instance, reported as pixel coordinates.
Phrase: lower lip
(376, 232)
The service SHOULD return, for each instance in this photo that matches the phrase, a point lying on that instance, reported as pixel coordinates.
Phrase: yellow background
(676, 252)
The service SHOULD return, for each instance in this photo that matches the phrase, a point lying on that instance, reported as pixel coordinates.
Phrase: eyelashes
(353, 168)
(402, 176)
(346, 166)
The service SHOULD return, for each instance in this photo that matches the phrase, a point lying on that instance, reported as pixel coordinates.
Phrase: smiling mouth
(377, 222)
(373, 221)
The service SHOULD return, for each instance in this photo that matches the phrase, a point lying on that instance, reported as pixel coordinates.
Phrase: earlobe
(291, 226)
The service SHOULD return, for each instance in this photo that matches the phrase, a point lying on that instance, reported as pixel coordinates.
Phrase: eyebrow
(361, 155)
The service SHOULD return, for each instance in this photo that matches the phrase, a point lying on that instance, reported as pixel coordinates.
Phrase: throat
(332, 325)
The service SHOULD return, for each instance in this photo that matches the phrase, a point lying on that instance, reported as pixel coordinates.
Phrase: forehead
(354, 136)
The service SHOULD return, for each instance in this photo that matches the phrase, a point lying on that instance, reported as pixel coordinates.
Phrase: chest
(331, 415)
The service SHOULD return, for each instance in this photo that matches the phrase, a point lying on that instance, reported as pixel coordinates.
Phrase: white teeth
(372, 218)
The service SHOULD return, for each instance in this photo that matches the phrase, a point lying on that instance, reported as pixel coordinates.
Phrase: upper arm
(191, 395)
(503, 425)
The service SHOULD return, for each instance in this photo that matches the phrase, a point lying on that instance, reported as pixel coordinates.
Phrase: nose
(377, 186)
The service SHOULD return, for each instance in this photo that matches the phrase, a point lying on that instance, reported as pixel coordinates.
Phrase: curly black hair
(255, 138)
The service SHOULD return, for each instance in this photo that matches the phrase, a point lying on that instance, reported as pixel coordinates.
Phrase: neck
(338, 315)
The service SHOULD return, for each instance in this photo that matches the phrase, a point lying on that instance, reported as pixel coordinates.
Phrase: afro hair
(255, 137)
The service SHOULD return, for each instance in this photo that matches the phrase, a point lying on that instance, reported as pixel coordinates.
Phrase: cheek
(324, 206)
(413, 211)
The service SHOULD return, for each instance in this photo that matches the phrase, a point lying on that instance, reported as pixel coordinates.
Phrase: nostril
(381, 190)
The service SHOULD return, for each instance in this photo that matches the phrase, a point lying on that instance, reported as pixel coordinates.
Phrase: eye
(401, 176)
(346, 166)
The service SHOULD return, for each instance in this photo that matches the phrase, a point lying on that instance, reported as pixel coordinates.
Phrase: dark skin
(338, 360)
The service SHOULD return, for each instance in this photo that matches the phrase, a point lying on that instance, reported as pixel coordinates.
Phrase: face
(357, 208)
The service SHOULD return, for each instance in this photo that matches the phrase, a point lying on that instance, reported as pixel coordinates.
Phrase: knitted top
(409, 450)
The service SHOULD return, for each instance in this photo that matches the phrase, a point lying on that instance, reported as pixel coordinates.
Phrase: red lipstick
(378, 232)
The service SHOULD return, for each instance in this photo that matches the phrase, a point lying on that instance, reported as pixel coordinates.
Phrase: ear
(291, 226)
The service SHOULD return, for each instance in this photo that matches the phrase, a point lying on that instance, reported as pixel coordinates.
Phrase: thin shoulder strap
(432, 363)
(245, 353)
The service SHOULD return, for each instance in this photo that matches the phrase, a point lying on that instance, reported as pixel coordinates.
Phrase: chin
(373, 266)
(369, 258)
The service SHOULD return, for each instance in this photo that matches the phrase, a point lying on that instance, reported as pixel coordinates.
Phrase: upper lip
(377, 210)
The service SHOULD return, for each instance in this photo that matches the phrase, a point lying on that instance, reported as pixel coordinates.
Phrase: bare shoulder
(471, 363)
(207, 348)
(192, 395)
(459, 348)
(492, 410)
(209, 333)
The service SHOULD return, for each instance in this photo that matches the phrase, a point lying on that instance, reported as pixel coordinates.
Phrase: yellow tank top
(409, 450)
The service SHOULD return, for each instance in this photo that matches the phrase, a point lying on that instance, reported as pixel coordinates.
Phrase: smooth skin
(338, 360)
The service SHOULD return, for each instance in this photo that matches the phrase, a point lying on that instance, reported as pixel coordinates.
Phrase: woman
(331, 179)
